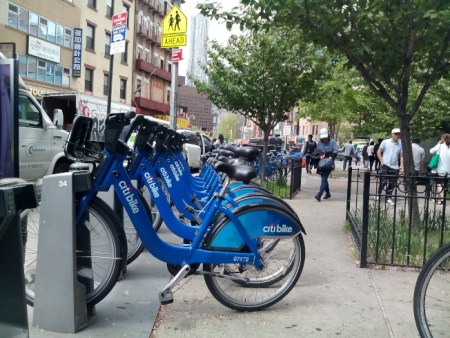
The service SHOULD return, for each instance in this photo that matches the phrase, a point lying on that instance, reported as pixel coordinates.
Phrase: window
(92, 3)
(140, 53)
(161, 63)
(124, 55)
(107, 44)
(168, 95)
(66, 77)
(50, 75)
(126, 9)
(109, 8)
(34, 23)
(138, 87)
(51, 31)
(68, 37)
(41, 71)
(105, 84)
(13, 16)
(89, 80)
(169, 68)
(59, 34)
(31, 67)
(123, 89)
(147, 55)
(23, 19)
(58, 74)
(90, 37)
(43, 28)
(29, 114)
(22, 65)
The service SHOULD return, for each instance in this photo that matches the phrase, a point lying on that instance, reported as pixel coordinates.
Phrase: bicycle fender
(259, 220)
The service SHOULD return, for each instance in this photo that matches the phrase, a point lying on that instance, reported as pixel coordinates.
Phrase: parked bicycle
(431, 296)
(243, 250)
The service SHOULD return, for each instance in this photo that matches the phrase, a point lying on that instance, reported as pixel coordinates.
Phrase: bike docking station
(60, 294)
(15, 195)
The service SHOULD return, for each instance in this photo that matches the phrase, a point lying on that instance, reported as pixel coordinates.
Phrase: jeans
(349, 160)
(388, 179)
(324, 187)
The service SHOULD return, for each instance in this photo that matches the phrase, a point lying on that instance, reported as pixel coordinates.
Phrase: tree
(227, 126)
(400, 48)
(261, 76)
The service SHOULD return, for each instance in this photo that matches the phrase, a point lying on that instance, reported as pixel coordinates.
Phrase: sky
(217, 31)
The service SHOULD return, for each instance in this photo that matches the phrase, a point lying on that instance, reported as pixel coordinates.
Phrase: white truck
(73, 104)
(197, 145)
(41, 141)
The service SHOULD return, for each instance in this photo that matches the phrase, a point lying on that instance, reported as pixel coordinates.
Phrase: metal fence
(285, 180)
(402, 229)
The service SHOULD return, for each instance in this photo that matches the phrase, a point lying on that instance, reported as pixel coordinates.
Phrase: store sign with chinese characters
(76, 58)
(44, 49)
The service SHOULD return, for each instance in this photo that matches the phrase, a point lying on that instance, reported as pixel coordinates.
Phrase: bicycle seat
(249, 153)
(78, 147)
(236, 172)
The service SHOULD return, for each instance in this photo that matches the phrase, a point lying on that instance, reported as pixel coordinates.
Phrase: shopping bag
(434, 161)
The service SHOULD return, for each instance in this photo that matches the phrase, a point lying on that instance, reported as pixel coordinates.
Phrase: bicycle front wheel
(258, 289)
(98, 262)
(432, 296)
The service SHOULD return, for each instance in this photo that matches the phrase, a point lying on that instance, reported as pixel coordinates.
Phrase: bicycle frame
(113, 173)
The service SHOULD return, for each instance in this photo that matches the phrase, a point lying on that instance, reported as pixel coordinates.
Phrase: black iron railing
(401, 229)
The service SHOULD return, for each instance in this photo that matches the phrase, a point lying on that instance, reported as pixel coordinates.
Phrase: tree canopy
(400, 48)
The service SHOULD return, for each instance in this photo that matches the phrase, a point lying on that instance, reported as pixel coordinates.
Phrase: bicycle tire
(241, 297)
(431, 295)
(105, 230)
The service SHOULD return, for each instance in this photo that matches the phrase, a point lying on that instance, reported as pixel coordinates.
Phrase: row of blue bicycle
(246, 243)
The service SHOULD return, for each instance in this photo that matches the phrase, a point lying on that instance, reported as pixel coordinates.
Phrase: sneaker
(327, 196)
(390, 201)
(317, 197)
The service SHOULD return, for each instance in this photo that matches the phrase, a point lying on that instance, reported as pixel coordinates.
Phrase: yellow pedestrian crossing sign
(175, 22)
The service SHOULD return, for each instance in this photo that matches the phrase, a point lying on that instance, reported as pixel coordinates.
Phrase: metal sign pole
(174, 90)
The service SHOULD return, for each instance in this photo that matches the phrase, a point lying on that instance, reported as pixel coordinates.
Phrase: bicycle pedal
(166, 297)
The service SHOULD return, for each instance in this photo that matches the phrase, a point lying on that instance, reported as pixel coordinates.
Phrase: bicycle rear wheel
(432, 295)
(258, 289)
(101, 260)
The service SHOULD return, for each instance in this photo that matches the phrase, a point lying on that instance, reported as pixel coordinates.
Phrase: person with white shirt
(443, 167)
(391, 160)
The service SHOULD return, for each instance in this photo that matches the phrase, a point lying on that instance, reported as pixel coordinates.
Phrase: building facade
(153, 64)
(63, 46)
(197, 107)
(198, 37)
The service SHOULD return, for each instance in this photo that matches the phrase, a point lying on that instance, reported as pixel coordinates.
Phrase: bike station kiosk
(60, 298)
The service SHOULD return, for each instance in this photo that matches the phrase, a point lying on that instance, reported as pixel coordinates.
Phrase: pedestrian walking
(391, 159)
(365, 155)
(219, 141)
(375, 151)
(371, 152)
(310, 148)
(442, 170)
(349, 151)
(329, 150)
(418, 155)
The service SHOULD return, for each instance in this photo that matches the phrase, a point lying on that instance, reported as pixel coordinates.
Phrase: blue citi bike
(236, 247)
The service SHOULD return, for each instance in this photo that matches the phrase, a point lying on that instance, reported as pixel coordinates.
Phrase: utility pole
(174, 90)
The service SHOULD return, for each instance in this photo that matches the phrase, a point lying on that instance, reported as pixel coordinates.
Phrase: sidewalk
(333, 297)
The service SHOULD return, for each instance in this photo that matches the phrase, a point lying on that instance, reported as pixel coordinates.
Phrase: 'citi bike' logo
(129, 196)
(277, 228)
(152, 185)
(180, 171)
(175, 173)
(166, 177)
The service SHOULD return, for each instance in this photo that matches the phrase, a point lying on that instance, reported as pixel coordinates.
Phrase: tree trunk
(409, 172)
(264, 154)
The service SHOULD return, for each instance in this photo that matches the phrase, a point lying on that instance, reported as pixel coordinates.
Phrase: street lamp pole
(174, 90)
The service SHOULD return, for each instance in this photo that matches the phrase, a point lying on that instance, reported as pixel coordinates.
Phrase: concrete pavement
(333, 297)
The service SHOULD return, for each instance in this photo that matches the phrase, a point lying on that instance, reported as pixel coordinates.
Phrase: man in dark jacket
(310, 147)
